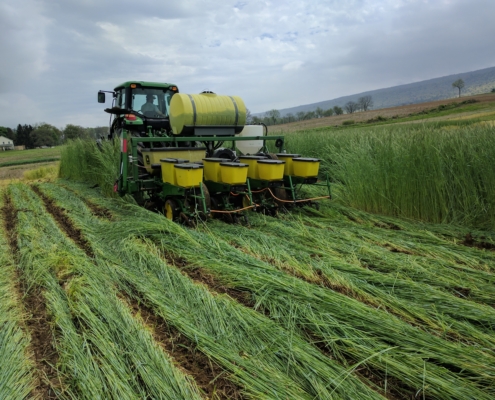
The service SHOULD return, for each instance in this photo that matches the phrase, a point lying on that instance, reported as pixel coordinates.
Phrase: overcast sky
(57, 54)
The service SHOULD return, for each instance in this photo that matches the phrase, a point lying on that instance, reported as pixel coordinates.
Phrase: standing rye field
(335, 303)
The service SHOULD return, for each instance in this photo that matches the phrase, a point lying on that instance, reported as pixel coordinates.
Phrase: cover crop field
(386, 291)
(101, 299)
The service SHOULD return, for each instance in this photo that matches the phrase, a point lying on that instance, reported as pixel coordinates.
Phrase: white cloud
(22, 43)
(292, 66)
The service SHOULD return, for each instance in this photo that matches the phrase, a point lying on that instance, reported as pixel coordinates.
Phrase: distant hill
(476, 82)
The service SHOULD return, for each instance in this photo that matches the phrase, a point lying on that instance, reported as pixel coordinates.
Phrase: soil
(96, 209)
(389, 113)
(208, 375)
(201, 276)
(65, 223)
(38, 323)
(470, 241)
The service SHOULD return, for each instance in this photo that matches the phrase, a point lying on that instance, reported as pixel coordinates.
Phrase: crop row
(349, 316)
(267, 360)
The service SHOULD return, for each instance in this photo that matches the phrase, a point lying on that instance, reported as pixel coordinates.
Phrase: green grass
(104, 352)
(261, 356)
(84, 160)
(31, 154)
(375, 327)
(432, 172)
(31, 161)
(16, 368)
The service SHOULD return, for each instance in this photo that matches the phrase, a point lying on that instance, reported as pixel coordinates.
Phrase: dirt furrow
(208, 375)
(64, 222)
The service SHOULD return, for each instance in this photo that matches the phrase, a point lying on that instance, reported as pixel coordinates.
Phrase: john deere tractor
(193, 156)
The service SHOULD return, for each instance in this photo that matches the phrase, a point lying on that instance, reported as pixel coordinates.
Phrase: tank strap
(236, 110)
(194, 109)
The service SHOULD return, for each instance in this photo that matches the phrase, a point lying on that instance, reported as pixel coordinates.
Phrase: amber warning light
(130, 117)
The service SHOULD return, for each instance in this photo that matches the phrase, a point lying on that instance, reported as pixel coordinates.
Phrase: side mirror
(101, 97)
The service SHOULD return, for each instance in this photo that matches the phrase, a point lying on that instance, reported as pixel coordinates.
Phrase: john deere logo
(147, 159)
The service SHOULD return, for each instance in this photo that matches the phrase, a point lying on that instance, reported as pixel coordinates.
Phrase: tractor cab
(142, 107)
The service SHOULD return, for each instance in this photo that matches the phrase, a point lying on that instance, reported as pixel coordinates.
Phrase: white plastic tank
(250, 146)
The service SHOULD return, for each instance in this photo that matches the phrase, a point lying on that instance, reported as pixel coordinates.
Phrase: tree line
(273, 117)
(44, 134)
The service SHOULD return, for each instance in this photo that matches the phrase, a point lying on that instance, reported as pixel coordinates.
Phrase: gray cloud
(274, 54)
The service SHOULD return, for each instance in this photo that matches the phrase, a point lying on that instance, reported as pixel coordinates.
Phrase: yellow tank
(252, 161)
(234, 173)
(168, 172)
(206, 109)
(288, 170)
(188, 175)
(306, 167)
(271, 170)
(212, 168)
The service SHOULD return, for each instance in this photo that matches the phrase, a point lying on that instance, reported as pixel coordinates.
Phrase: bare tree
(459, 84)
(365, 103)
(351, 107)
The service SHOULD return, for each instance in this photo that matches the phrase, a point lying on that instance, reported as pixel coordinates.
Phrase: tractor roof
(145, 84)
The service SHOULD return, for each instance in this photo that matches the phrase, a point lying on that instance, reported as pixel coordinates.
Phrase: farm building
(6, 144)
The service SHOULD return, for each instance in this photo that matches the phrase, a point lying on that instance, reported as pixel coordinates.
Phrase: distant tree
(459, 84)
(300, 115)
(351, 107)
(248, 116)
(365, 103)
(338, 110)
(310, 115)
(74, 132)
(267, 120)
(328, 113)
(101, 131)
(45, 135)
(255, 119)
(290, 117)
(274, 115)
(319, 112)
(493, 90)
(8, 133)
(23, 133)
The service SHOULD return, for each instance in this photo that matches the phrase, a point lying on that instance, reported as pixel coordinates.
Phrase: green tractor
(192, 155)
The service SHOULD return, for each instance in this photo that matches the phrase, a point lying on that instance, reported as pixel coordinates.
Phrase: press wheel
(171, 209)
